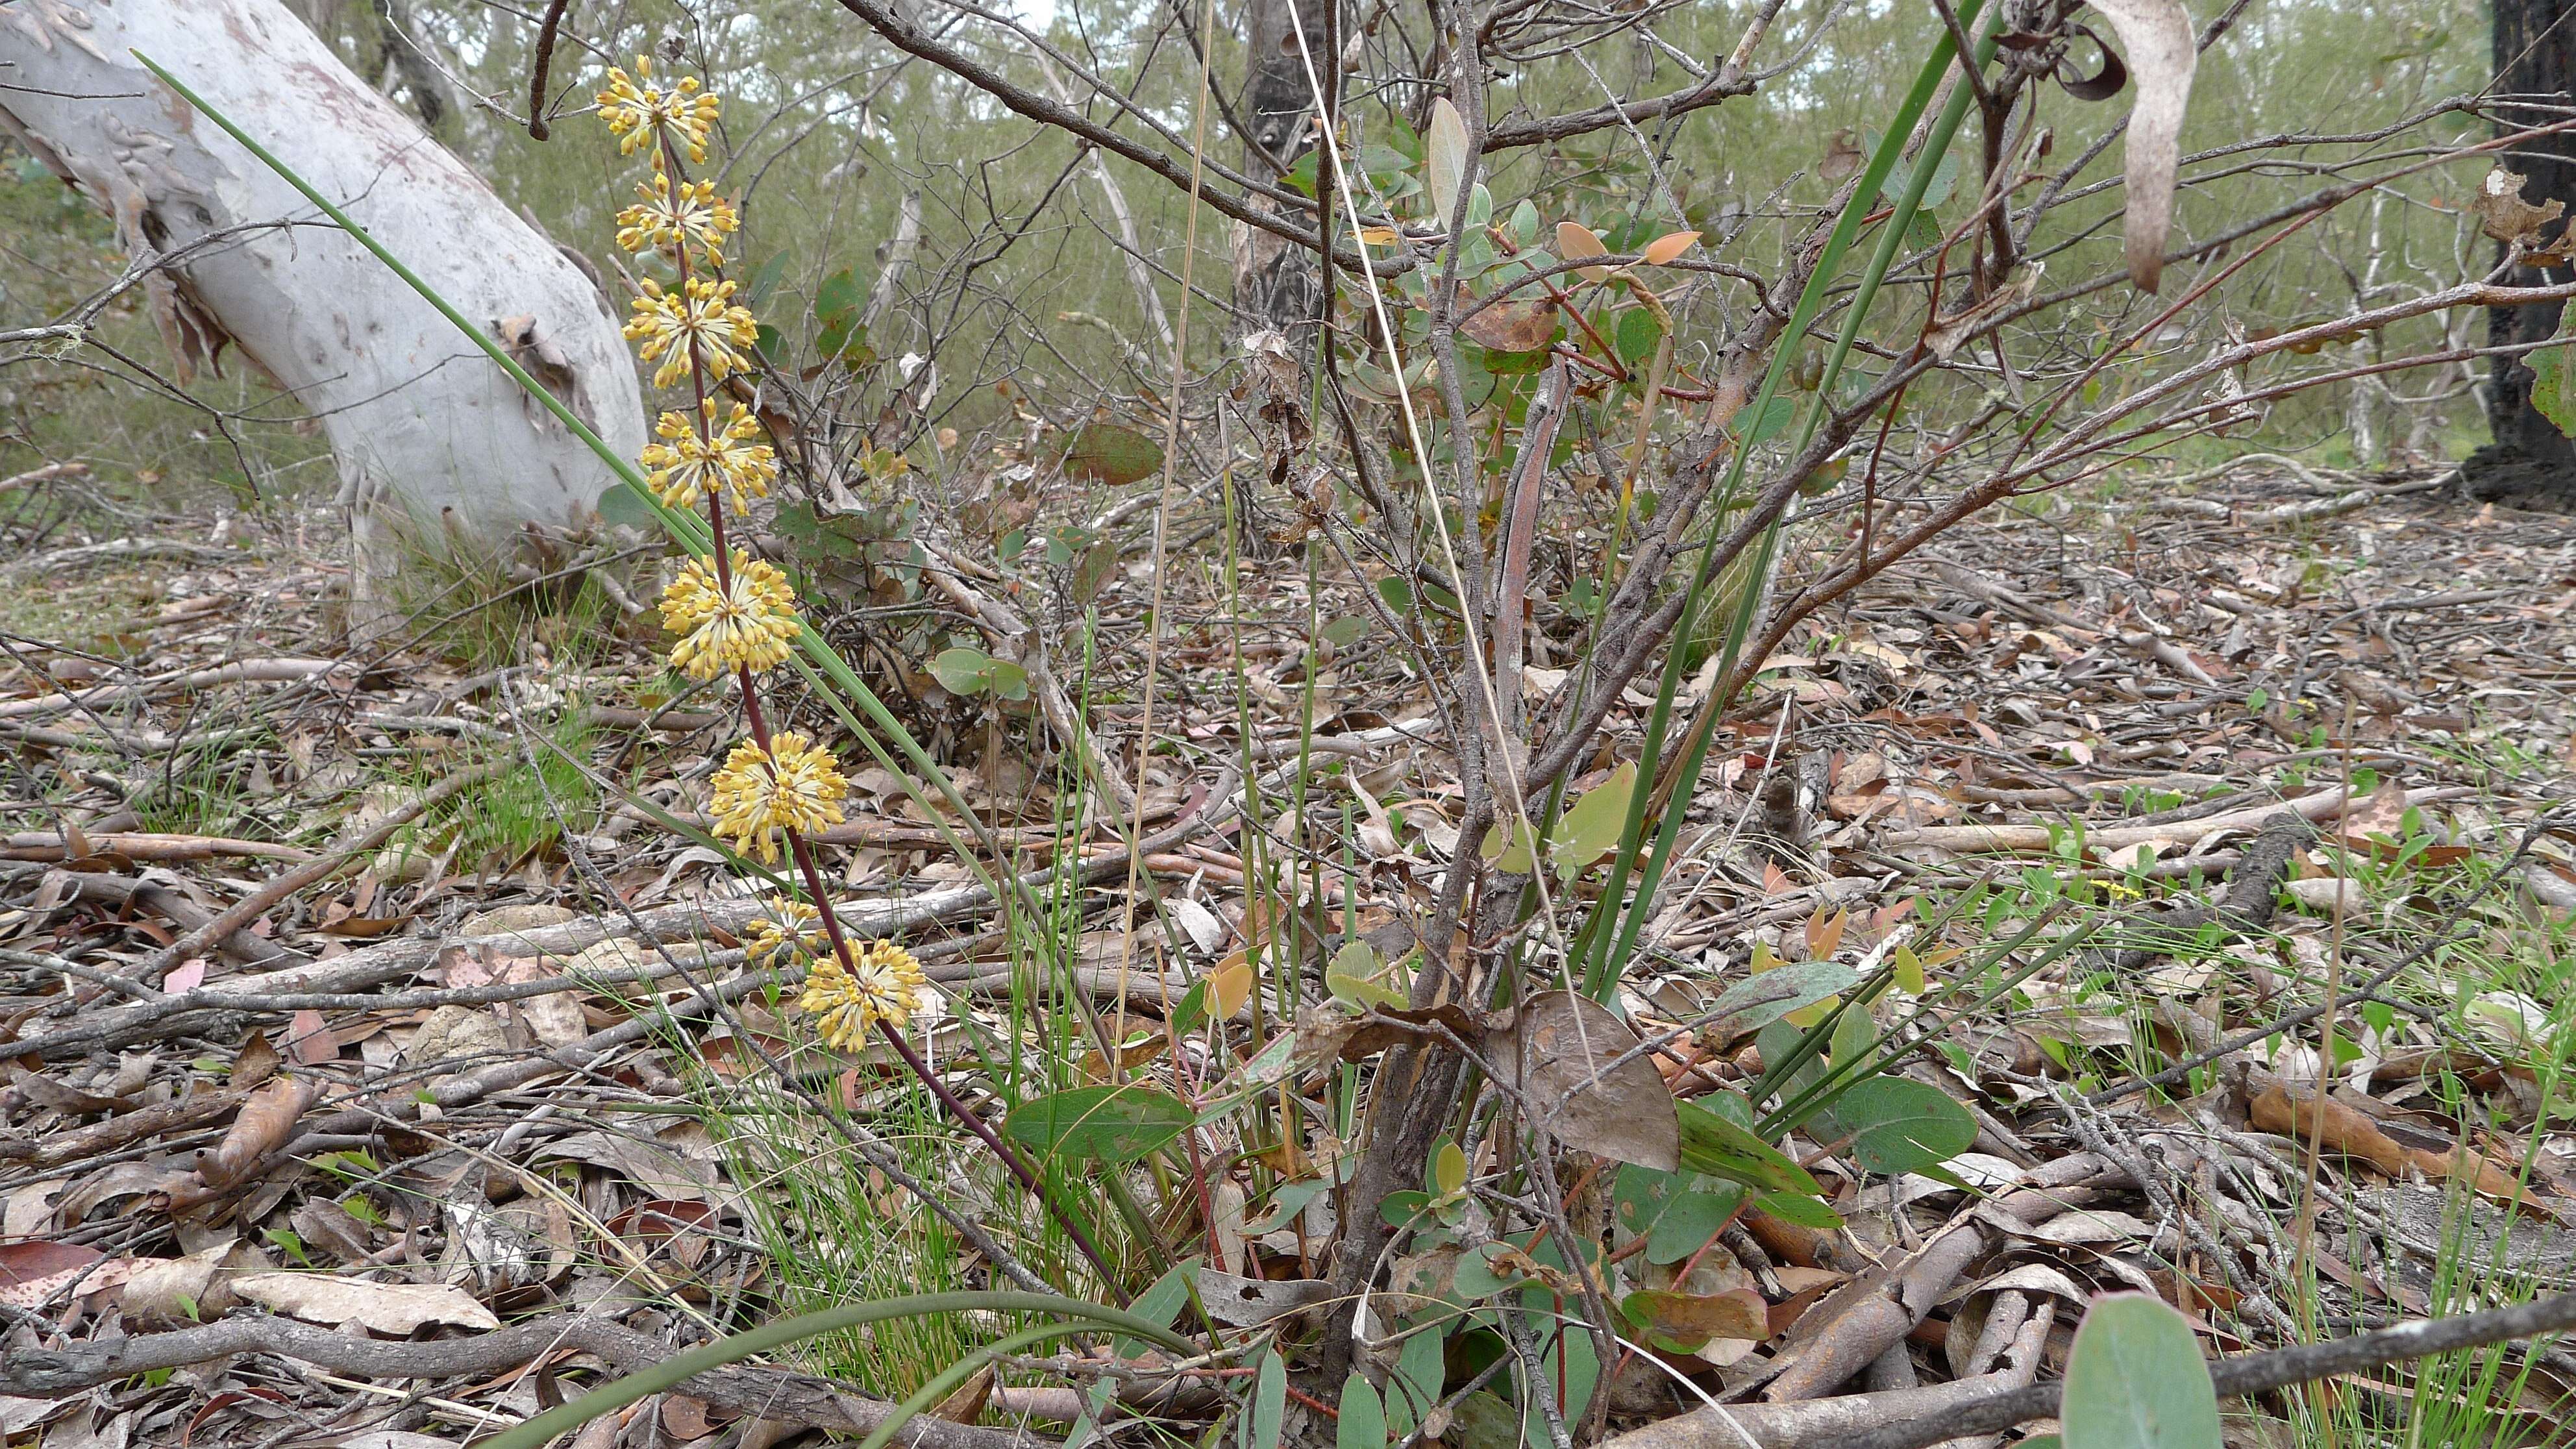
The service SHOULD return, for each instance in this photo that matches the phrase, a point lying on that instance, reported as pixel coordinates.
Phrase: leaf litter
(452, 1085)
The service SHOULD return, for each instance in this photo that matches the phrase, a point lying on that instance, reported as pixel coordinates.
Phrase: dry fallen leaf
(2162, 54)
(2394, 1150)
(397, 1308)
(965, 1404)
(32, 1272)
(255, 1063)
(2502, 213)
(164, 1292)
(1562, 1042)
(2095, 1225)
(2327, 893)
(263, 1125)
(2382, 813)
(309, 1039)
(687, 1418)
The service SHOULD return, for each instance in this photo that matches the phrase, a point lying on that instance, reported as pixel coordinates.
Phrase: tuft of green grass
(461, 605)
(838, 1231)
(528, 810)
(520, 813)
(196, 790)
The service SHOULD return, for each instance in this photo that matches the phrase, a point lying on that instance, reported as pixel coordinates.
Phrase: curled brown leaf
(2162, 56)
(265, 1123)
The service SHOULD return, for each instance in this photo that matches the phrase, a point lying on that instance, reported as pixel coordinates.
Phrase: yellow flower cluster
(794, 931)
(792, 785)
(698, 316)
(884, 984)
(745, 622)
(635, 108)
(695, 459)
(745, 617)
(684, 216)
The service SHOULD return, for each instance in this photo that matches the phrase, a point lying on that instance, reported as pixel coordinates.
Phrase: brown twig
(545, 59)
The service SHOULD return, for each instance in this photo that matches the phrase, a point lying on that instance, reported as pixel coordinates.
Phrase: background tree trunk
(2530, 461)
(437, 449)
(1277, 286)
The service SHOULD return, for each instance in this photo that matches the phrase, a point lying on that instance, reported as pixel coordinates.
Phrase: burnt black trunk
(2530, 462)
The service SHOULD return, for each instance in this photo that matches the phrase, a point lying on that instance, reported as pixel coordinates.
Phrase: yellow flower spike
(686, 218)
(795, 931)
(691, 461)
(700, 315)
(750, 625)
(635, 109)
(846, 1001)
(792, 785)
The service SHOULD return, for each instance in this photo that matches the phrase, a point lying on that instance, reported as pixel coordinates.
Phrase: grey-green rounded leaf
(2136, 1380)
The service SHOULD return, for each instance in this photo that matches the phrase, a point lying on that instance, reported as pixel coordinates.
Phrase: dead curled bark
(764, 1393)
(1839, 1337)
(1913, 1418)
(1816, 1423)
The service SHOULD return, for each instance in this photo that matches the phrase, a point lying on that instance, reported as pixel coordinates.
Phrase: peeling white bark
(436, 447)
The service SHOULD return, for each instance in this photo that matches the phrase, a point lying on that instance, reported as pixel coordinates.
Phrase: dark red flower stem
(803, 854)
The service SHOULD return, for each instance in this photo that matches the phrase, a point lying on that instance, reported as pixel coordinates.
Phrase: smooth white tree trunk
(436, 447)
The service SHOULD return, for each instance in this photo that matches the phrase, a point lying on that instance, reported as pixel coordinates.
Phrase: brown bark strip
(100, 1138)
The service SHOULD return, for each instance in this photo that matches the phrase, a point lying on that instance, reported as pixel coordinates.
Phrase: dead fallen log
(46, 845)
(765, 1393)
(2319, 805)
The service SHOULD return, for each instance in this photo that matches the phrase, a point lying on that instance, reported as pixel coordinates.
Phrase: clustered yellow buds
(883, 984)
(747, 621)
(678, 216)
(734, 614)
(792, 785)
(698, 318)
(697, 458)
(795, 931)
(635, 108)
